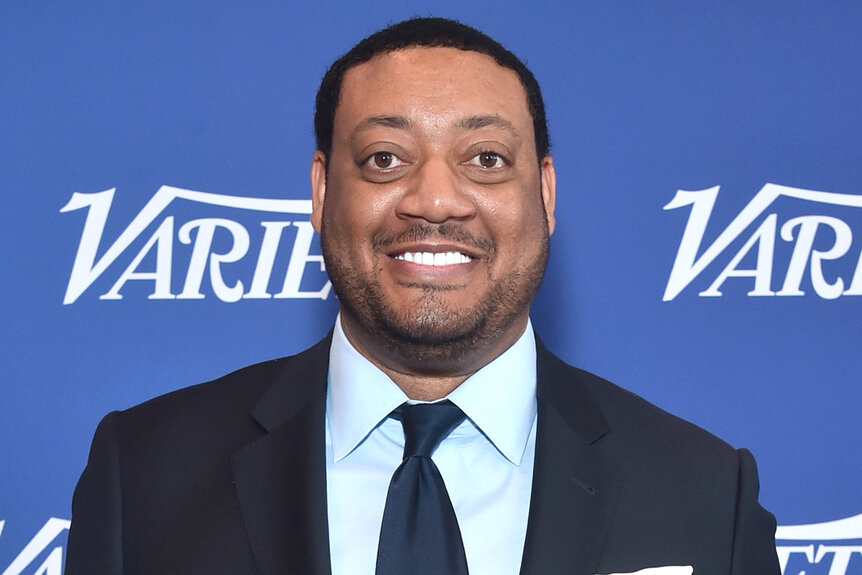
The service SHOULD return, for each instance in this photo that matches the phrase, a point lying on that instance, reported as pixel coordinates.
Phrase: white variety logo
(36, 548)
(802, 231)
(204, 255)
(834, 543)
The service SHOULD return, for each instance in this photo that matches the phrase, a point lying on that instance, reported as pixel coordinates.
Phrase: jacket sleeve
(95, 543)
(754, 550)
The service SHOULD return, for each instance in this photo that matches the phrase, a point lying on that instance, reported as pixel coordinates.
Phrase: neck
(424, 387)
(431, 382)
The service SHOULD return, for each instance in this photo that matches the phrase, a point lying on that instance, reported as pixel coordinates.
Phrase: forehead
(440, 84)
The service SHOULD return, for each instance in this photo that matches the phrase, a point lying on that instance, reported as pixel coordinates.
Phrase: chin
(434, 336)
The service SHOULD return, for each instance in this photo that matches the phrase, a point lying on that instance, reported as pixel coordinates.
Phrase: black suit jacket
(229, 477)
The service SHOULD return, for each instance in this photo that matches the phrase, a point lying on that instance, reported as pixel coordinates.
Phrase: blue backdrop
(735, 307)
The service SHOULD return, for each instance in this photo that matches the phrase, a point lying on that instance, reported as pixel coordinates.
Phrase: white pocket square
(666, 570)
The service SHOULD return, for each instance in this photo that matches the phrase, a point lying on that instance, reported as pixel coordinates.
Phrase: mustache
(419, 231)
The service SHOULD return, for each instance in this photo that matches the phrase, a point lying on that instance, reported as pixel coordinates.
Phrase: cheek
(520, 220)
(350, 227)
(359, 203)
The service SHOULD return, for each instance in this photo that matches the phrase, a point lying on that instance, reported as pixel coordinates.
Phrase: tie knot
(426, 425)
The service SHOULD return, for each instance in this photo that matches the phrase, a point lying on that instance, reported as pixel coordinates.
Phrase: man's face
(433, 211)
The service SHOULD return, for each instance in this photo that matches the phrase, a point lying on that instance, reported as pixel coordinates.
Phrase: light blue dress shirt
(486, 462)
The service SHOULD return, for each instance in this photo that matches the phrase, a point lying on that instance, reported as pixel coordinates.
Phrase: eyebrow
(477, 122)
(397, 122)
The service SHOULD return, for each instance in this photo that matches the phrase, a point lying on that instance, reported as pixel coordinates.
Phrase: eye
(383, 161)
(488, 160)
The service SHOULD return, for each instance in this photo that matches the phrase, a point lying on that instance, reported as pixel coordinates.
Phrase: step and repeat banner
(154, 164)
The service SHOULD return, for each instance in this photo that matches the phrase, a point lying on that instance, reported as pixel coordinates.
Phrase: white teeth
(435, 259)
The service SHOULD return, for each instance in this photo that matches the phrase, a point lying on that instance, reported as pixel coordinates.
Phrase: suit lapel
(281, 477)
(574, 487)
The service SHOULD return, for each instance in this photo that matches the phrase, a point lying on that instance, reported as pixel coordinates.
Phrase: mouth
(435, 259)
(429, 265)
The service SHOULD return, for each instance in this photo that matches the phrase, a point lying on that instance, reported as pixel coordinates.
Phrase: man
(433, 192)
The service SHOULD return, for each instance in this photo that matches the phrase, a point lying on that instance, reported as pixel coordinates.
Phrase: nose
(434, 193)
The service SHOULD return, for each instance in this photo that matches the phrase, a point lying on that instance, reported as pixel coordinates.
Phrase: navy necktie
(420, 534)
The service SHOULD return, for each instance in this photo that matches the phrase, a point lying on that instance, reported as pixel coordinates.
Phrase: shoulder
(219, 409)
(630, 414)
(641, 431)
(235, 390)
(681, 496)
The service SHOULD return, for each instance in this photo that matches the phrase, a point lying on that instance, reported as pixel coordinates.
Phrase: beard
(432, 334)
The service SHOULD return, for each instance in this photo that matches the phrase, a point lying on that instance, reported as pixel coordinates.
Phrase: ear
(318, 188)
(549, 190)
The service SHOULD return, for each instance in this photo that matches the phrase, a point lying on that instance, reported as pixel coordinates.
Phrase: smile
(434, 259)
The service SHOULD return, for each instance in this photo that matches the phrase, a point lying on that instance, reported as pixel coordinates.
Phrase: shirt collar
(500, 398)
(359, 395)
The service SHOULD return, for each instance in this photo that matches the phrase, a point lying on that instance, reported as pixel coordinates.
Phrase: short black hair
(431, 33)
